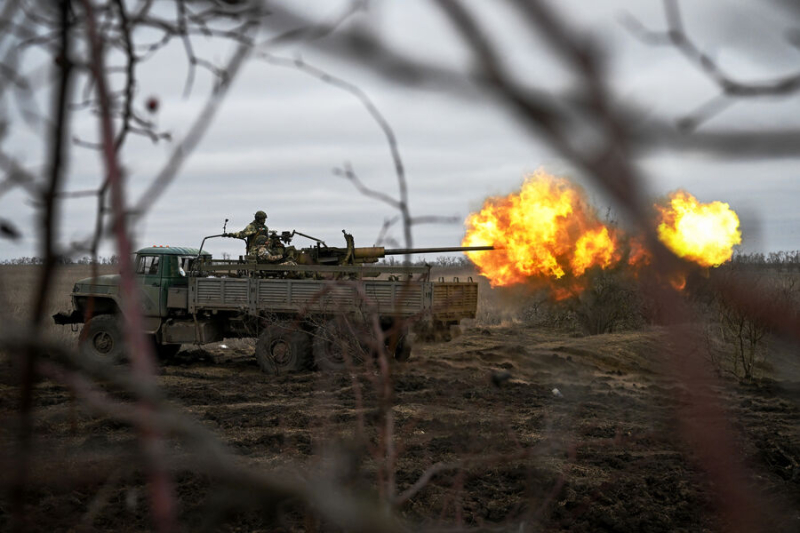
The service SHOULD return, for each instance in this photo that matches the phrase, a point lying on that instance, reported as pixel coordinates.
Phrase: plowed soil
(558, 432)
(521, 429)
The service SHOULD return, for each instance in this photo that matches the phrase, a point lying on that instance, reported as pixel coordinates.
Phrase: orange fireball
(547, 230)
(702, 233)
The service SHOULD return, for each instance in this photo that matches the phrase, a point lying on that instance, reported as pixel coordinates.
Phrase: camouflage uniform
(253, 230)
(289, 256)
(262, 253)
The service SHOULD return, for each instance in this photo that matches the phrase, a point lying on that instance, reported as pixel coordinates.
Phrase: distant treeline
(113, 260)
(756, 259)
(788, 260)
(441, 261)
(85, 260)
(772, 259)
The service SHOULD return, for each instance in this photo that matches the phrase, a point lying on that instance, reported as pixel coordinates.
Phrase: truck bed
(445, 301)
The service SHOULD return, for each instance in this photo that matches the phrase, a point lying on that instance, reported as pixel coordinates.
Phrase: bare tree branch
(130, 77)
(677, 37)
(197, 131)
(348, 173)
(143, 366)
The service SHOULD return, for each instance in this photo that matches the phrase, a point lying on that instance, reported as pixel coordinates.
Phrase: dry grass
(18, 284)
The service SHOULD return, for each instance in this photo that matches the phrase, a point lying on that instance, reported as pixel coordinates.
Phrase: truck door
(174, 270)
(148, 275)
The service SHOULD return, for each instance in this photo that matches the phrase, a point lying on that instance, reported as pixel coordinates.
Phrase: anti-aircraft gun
(318, 259)
(322, 254)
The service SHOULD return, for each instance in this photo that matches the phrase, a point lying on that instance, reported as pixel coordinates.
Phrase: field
(530, 429)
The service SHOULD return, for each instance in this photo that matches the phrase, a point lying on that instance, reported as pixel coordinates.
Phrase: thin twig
(48, 241)
(162, 499)
(196, 133)
(391, 139)
(676, 36)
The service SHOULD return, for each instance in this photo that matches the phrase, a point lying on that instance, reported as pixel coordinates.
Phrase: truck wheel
(282, 347)
(334, 343)
(102, 338)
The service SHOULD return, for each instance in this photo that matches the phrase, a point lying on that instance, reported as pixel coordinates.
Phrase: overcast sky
(280, 132)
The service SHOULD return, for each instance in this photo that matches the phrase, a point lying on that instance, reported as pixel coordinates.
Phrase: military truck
(327, 311)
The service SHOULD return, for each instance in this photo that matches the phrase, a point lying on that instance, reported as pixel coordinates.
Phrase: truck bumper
(62, 318)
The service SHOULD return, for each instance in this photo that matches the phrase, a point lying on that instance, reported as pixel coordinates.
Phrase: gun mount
(321, 254)
(321, 260)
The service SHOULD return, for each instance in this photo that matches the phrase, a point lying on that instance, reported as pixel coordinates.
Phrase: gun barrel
(406, 251)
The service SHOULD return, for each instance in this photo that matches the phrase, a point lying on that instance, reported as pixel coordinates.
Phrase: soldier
(253, 230)
(261, 251)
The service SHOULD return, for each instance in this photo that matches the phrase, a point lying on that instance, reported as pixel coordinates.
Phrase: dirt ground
(539, 427)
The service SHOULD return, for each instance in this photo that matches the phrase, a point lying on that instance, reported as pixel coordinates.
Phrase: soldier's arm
(246, 232)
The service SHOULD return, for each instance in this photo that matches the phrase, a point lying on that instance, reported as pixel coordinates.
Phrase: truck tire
(334, 342)
(283, 347)
(102, 338)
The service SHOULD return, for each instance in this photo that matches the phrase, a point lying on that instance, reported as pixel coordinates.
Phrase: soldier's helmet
(261, 239)
(261, 215)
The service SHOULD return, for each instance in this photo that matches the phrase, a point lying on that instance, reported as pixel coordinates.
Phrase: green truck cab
(96, 300)
(158, 269)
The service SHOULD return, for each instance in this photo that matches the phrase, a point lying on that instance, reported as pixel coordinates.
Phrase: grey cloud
(280, 133)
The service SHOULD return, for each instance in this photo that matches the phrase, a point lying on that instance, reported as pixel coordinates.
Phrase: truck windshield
(147, 264)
